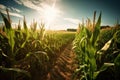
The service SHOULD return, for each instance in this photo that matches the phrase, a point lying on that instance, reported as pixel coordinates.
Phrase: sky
(60, 14)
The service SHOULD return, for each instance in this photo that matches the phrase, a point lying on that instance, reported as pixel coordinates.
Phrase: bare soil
(64, 66)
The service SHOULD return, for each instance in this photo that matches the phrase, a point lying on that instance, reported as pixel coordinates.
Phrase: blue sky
(69, 12)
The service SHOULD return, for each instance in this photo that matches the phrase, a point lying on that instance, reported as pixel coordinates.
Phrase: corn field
(31, 53)
(97, 51)
(27, 51)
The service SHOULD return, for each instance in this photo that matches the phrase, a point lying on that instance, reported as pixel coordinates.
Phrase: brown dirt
(64, 66)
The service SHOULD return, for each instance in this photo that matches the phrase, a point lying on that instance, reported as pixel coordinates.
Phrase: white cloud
(75, 21)
(15, 9)
(19, 2)
(2, 7)
(38, 5)
(29, 3)
(12, 14)
(12, 11)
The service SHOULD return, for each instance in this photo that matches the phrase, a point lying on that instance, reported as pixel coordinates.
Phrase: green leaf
(23, 44)
(96, 74)
(99, 21)
(93, 64)
(39, 55)
(24, 24)
(16, 70)
(6, 21)
(103, 68)
(88, 32)
(105, 47)
(11, 39)
(117, 61)
(96, 31)
(117, 36)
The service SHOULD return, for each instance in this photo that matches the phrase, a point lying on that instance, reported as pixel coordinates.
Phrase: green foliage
(6, 21)
(117, 67)
(96, 52)
(117, 36)
(29, 51)
(15, 72)
(105, 35)
(85, 48)
(9, 32)
(42, 31)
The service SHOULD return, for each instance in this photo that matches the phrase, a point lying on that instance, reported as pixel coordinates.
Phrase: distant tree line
(72, 30)
(104, 27)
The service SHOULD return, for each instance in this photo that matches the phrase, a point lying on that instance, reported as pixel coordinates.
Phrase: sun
(50, 14)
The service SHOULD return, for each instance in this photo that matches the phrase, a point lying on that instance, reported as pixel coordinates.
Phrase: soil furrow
(64, 67)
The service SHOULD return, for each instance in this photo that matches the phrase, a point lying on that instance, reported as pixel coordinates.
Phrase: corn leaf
(103, 68)
(96, 31)
(6, 21)
(16, 70)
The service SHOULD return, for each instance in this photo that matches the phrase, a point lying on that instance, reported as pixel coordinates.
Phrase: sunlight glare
(50, 14)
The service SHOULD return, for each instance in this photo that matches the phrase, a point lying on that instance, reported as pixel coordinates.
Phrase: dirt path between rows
(64, 66)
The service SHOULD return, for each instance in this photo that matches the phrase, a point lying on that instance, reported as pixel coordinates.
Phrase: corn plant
(9, 35)
(93, 60)
(85, 48)
(7, 50)
(24, 51)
